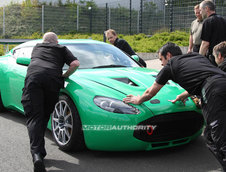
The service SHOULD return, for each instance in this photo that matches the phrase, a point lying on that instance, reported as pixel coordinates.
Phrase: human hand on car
(132, 99)
(181, 97)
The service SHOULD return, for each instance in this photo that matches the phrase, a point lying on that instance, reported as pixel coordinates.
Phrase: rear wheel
(66, 125)
(2, 108)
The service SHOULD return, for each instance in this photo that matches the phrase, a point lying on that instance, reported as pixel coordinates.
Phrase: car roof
(61, 41)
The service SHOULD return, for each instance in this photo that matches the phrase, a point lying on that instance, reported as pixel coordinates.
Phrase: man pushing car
(43, 82)
(198, 76)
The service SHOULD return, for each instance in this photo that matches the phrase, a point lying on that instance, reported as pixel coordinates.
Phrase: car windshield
(100, 56)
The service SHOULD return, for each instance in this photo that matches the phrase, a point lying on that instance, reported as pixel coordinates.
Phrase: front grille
(169, 127)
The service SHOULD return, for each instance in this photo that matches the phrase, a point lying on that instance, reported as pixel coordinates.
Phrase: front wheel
(66, 125)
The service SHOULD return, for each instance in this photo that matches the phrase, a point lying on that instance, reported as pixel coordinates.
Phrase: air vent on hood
(126, 81)
(155, 101)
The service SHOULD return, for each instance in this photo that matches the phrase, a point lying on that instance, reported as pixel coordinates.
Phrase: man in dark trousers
(112, 37)
(198, 76)
(43, 82)
(219, 52)
(213, 30)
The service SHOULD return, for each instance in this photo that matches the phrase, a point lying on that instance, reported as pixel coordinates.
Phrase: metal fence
(126, 17)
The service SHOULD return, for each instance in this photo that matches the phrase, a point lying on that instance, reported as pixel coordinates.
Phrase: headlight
(114, 105)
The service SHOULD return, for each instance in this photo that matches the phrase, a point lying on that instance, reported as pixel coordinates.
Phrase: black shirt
(49, 58)
(124, 46)
(189, 71)
(222, 66)
(214, 31)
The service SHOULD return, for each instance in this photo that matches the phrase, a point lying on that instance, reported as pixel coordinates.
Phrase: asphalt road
(15, 155)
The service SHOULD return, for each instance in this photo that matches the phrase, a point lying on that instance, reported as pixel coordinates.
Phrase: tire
(2, 108)
(66, 126)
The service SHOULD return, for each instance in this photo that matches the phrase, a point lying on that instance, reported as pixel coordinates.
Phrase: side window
(23, 52)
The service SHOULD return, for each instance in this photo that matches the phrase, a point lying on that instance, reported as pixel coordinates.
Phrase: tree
(149, 6)
(30, 3)
(59, 3)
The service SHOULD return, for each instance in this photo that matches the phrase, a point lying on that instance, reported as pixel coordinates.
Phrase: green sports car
(90, 112)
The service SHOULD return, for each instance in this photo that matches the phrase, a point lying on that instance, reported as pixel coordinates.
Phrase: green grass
(139, 42)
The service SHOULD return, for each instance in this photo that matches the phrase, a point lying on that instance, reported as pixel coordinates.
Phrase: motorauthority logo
(148, 128)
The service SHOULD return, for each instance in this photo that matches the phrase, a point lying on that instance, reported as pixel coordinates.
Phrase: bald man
(43, 82)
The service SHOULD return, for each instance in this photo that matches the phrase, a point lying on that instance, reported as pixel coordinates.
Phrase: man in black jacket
(43, 82)
(213, 30)
(198, 76)
(112, 37)
(219, 53)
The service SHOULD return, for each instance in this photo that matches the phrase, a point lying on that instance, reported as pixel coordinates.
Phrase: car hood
(135, 81)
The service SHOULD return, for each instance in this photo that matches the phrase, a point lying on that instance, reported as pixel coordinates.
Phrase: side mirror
(23, 61)
(135, 57)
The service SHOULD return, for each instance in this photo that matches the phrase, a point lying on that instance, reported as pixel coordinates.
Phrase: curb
(152, 56)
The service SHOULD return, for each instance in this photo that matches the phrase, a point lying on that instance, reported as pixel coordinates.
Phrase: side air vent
(126, 81)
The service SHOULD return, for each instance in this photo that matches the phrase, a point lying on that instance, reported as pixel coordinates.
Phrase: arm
(190, 44)
(127, 48)
(72, 68)
(204, 47)
(181, 97)
(148, 94)
(141, 61)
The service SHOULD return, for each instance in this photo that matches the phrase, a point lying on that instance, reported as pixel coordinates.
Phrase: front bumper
(168, 127)
(168, 130)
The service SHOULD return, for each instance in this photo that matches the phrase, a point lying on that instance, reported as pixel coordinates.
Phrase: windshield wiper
(108, 66)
